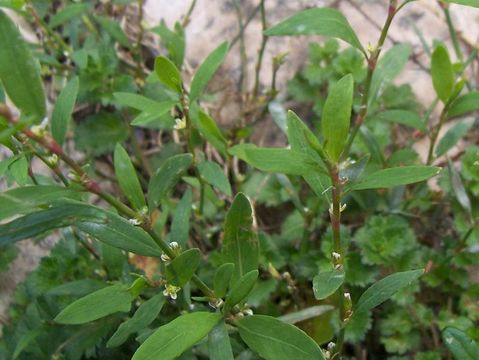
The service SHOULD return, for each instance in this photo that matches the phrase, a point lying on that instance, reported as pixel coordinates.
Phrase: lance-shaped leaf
(222, 278)
(337, 116)
(174, 338)
(180, 270)
(442, 73)
(326, 283)
(451, 137)
(403, 117)
(464, 104)
(180, 226)
(62, 112)
(127, 178)
(240, 243)
(19, 71)
(168, 73)
(28, 199)
(395, 176)
(460, 345)
(241, 289)
(102, 225)
(382, 290)
(207, 69)
(273, 339)
(219, 345)
(166, 177)
(473, 3)
(144, 316)
(317, 21)
(210, 130)
(214, 175)
(101, 303)
(67, 13)
(276, 160)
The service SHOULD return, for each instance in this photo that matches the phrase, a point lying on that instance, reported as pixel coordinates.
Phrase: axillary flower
(171, 291)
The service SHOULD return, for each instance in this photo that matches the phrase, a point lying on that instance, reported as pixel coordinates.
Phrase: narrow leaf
(219, 345)
(395, 176)
(403, 117)
(337, 116)
(62, 112)
(206, 71)
(210, 130)
(101, 303)
(442, 73)
(459, 344)
(222, 279)
(69, 12)
(273, 339)
(165, 178)
(473, 3)
(113, 29)
(174, 338)
(317, 21)
(241, 289)
(382, 290)
(240, 243)
(464, 104)
(326, 283)
(451, 137)
(168, 73)
(19, 71)
(180, 226)
(276, 160)
(214, 175)
(144, 316)
(180, 270)
(142, 103)
(127, 178)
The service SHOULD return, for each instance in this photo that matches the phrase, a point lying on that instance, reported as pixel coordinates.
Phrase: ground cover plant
(181, 238)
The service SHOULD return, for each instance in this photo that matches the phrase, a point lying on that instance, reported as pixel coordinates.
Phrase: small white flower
(347, 296)
(336, 255)
(134, 222)
(171, 291)
(342, 207)
(180, 124)
(165, 257)
(331, 346)
(248, 312)
(174, 245)
(52, 160)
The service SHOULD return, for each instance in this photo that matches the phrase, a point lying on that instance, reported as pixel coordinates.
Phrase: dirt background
(214, 21)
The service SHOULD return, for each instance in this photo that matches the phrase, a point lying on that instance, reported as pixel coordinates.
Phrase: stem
(264, 40)
(138, 50)
(186, 20)
(435, 133)
(372, 62)
(92, 186)
(452, 32)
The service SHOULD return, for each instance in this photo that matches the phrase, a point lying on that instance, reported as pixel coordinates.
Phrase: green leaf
(219, 346)
(326, 283)
(459, 190)
(69, 12)
(305, 314)
(180, 226)
(382, 290)
(62, 112)
(127, 178)
(403, 117)
(222, 279)
(459, 344)
(144, 316)
(442, 73)
(240, 243)
(474, 3)
(208, 128)
(337, 116)
(241, 289)
(300, 138)
(174, 338)
(168, 73)
(19, 71)
(27, 199)
(206, 71)
(103, 225)
(451, 137)
(173, 41)
(165, 178)
(101, 303)
(113, 29)
(273, 339)
(388, 68)
(395, 176)
(144, 104)
(25, 340)
(317, 21)
(181, 269)
(464, 104)
(214, 175)
(276, 160)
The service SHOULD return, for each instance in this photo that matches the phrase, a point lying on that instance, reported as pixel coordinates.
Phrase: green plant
(168, 236)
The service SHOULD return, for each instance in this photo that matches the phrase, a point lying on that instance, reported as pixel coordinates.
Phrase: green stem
(264, 40)
(452, 32)
(372, 62)
(435, 133)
